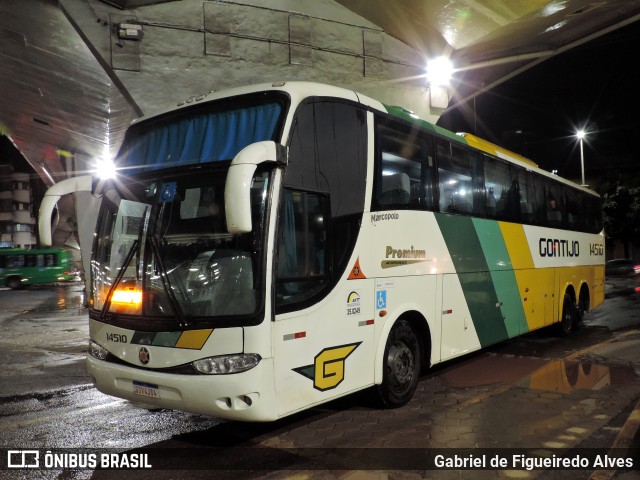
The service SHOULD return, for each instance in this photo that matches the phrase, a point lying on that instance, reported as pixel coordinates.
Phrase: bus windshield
(211, 132)
(162, 249)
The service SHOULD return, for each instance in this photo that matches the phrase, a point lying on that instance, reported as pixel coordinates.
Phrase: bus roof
(465, 138)
(494, 149)
(299, 90)
(409, 116)
(480, 144)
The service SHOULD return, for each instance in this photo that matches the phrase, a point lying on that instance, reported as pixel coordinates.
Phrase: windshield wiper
(166, 283)
(123, 268)
(134, 249)
(141, 229)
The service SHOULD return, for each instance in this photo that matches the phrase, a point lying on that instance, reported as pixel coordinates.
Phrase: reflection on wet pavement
(564, 376)
(561, 376)
(68, 298)
(46, 298)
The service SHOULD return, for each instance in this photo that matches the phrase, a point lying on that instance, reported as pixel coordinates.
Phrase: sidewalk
(538, 413)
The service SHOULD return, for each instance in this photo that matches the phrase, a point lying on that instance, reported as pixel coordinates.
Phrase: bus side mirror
(237, 189)
(51, 197)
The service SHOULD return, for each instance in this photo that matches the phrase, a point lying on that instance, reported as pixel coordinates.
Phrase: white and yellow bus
(270, 248)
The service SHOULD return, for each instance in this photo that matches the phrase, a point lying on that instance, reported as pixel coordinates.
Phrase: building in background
(17, 220)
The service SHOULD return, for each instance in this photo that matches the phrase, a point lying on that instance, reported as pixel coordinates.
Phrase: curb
(623, 441)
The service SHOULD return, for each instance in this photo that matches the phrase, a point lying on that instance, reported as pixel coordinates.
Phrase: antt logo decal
(327, 371)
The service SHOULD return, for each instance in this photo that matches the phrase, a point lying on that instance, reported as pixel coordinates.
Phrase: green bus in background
(19, 267)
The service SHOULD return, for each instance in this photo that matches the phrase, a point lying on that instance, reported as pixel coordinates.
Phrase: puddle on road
(65, 297)
(561, 376)
(69, 298)
(564, 376)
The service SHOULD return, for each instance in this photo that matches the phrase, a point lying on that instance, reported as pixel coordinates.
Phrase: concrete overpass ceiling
(133, 3)
(68, 90)
(59, 95)
(491, 41)
(56, 96)
(58, 104)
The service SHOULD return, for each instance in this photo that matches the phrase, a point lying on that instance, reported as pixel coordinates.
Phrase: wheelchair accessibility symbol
(381, 299)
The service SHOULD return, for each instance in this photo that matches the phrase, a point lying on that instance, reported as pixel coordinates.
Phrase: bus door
(323, 331)
(325, 351)
(458, 332)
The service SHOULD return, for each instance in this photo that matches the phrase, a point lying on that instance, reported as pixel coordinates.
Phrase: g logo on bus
(327, 371)
(143, 356)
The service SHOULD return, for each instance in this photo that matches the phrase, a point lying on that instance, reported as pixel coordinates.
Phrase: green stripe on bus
(502, 275)
(478, 288)
(408, 116)
(166, 339)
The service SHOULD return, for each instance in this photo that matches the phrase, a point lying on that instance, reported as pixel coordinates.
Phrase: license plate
(146, 389)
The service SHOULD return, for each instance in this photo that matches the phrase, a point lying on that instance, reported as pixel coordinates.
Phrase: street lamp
(439, 71)
(581, 134)
(105, 169)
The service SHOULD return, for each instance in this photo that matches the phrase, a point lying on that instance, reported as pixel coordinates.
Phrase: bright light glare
(557, 26)
(581, 134)
(127, 296)
(439, 71)
(106, 169)
(553, 8)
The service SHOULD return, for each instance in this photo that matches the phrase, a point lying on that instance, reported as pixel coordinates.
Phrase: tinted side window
(460, 179)
(326, 172)
(302, 256)
(536, 188)
(508, 189)
(574, 216)
(327, 153)
(554, 204)
(528, 199)
(404, 167)
(16, 261)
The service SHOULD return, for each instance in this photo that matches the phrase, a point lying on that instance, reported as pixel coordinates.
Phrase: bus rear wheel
(569, 313)
(14, 282)
(581, 309)
(401, 366)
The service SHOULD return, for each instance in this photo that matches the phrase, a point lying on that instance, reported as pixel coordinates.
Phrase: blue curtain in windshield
(202, 138)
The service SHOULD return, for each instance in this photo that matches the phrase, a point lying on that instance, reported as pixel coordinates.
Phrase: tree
(621, 207)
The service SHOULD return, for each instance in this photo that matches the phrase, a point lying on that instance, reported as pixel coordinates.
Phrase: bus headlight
(226, 364)
(97, 351)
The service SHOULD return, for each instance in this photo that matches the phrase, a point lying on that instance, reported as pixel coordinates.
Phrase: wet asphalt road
(591, 378)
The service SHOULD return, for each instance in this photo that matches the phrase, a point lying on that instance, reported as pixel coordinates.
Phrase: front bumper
(247, 396)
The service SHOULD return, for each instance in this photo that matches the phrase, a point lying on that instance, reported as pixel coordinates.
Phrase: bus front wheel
(401, 366)
(14, 282)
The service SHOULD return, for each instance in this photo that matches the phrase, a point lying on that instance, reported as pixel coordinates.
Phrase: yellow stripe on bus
(534, 285)
(517, 245)
(194, 339)
(493, 149)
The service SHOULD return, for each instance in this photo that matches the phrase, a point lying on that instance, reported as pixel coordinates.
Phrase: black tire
(14, 283)
(568, 319)
(572, 373)
(401, 366)
(582, 309)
